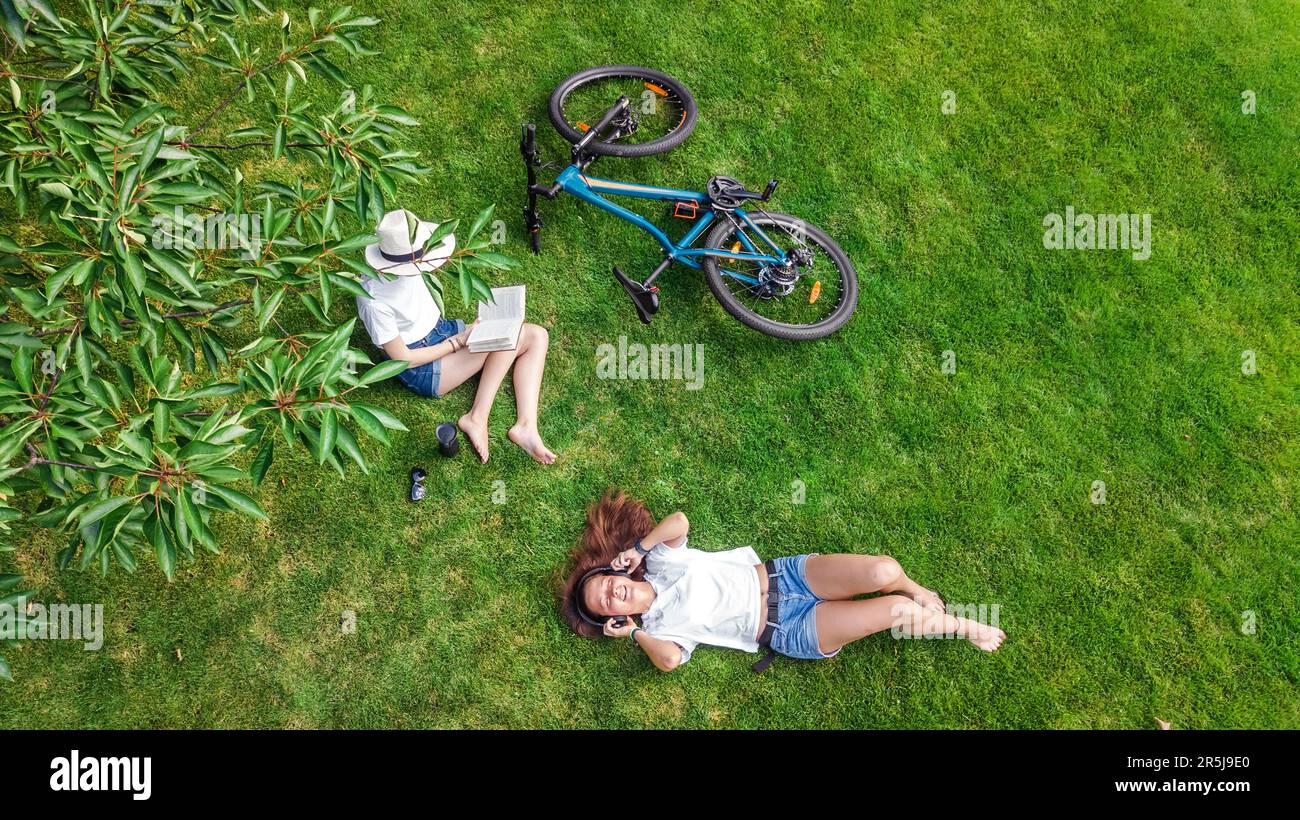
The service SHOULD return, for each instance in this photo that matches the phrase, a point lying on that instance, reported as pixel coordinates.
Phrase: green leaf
(465, 287)
(479, 221)
(440, 233)
(262, 462)
(348, 444)
(384, 417)
(271, 306)
(201, 448)
(383, 370)
(162, 418)
(214, 391)
(56, 281)
(58, 189)
(328, 429)
(370, 424)
(164, 262)
(314, 308)
(163, 549)
(104, 508)
(238, 501)
(124, 556)
(194, 521)
(14, 26)
(135, 272)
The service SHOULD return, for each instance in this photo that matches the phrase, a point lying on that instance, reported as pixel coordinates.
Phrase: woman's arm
(397, 349)
(670, 532)
(665, 655)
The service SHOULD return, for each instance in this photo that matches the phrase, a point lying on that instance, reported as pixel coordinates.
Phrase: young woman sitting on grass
(803, 606)
(403, 320)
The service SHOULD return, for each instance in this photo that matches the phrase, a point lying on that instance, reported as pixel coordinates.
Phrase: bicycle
(771, 285)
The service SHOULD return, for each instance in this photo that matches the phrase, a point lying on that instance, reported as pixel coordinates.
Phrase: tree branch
(36, 461)
(289, 55)
(255, 144)
(185, 314)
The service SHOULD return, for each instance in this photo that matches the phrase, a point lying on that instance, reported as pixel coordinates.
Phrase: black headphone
(619, 620)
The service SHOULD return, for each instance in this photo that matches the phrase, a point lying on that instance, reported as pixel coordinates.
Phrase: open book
(499, 323)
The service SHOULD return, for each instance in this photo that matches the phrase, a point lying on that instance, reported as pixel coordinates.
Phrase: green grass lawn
(1072, 367)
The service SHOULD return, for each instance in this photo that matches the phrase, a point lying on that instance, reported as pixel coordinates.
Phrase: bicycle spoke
(811, 298)
(656, 114)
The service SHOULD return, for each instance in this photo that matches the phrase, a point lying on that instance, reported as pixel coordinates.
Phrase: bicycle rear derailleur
(780, 280)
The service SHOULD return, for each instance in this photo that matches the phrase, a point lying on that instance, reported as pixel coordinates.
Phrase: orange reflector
(735, 248)
(582, 126)
(656, 89)
(816, 291)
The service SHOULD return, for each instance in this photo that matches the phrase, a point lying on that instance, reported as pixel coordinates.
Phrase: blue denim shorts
(796, 635)
(424, 379)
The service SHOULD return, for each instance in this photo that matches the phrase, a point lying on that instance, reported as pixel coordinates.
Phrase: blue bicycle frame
(589, 189)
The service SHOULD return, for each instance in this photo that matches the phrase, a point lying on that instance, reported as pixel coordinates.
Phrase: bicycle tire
(612, 149)
(781, 330)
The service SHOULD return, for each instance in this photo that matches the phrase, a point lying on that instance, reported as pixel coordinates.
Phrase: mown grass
(1072, 367)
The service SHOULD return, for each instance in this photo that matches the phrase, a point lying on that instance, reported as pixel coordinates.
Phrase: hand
(462, 338)
(627, 560)
(619, 631)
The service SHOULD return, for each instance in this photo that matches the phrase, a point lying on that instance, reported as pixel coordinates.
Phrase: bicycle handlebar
(528, 142)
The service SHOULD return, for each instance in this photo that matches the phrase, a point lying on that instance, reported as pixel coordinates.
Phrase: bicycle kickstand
(645, 296)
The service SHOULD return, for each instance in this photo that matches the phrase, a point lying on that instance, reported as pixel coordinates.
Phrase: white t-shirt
(703, 597)
(399, 306)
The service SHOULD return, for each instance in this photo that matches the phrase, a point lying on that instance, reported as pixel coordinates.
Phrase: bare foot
(982, 636)
(927, 598)
(528, 438)
(476, 432)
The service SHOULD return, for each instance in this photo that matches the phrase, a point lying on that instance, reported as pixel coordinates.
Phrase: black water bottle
(448, 440)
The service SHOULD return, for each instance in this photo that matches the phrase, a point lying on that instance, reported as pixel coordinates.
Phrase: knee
(884, 570)
(537, 335)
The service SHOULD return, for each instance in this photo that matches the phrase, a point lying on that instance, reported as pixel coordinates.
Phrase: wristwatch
(642, 551)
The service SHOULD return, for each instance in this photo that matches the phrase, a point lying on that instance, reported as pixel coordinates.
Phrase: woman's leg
(492, 367)
(841, 622)
(528, 390)
(457, 368)
(842, 577)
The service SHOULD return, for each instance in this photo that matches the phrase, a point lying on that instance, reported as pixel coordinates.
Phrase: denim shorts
(424, 379)
(796, 635)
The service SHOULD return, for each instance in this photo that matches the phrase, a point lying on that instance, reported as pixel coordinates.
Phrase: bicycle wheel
(810, 298)
(662, 110)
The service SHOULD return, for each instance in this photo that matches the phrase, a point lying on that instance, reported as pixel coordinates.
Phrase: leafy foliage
(141, 252)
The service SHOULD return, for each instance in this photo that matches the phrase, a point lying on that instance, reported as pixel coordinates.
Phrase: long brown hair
(613, 524)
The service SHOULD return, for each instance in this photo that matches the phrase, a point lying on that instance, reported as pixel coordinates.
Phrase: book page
(508, 304)
(493, 330)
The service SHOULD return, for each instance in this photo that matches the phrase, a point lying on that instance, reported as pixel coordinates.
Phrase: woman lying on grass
(803, 606)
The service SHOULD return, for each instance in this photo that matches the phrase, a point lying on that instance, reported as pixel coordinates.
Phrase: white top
(703, 597)
(401, 306)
